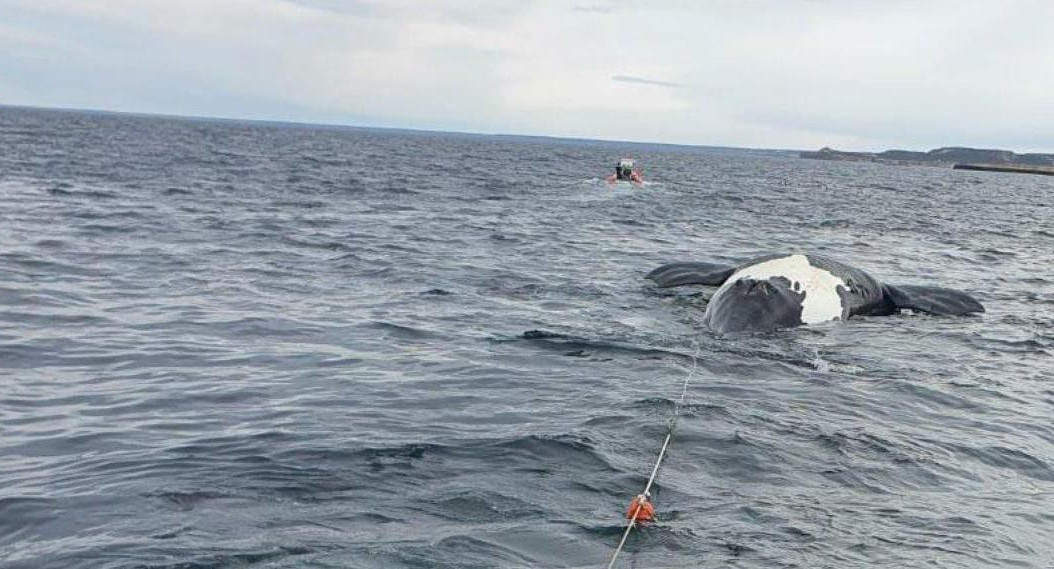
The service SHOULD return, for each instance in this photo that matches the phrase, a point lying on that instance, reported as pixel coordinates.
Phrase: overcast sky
(853, 74)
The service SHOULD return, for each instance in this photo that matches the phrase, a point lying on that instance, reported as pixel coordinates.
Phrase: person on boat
(624, 172)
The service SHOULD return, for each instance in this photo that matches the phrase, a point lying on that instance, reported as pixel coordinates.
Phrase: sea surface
(234, 344)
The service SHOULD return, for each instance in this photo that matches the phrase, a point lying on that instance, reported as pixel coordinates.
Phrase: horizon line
(422, 130)
(426, 130)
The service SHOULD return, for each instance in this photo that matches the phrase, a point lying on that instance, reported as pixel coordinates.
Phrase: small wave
(185, 501)
(300, 204)
(67, 191)
(256, 556)
(323, 245)
(23, 516)
(104, 228)
(480, 506)
(833, 224)
(1012, 459)
(404, 331)
(565, 342)
(177, 192)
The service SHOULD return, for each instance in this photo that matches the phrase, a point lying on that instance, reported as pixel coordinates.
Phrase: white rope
(662, 454)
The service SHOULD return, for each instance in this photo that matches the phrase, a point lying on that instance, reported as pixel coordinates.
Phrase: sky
(850, 74)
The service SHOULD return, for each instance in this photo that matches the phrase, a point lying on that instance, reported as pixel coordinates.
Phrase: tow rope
(641, 508)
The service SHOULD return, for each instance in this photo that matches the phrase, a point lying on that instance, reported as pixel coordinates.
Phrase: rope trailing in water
(641, 501)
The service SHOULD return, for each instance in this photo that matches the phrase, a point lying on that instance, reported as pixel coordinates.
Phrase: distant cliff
(949, 156)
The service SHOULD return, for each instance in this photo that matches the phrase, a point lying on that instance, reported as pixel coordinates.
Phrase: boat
(626, 172)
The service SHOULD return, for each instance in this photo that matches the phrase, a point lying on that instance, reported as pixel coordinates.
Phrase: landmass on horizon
(958, 157)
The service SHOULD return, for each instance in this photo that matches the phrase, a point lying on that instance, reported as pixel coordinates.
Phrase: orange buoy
(641, 510)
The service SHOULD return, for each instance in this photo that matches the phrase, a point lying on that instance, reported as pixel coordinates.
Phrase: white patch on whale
(821, 303)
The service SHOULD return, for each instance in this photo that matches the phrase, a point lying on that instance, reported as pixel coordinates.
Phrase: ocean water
(228, 344)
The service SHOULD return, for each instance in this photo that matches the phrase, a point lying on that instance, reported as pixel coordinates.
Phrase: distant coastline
(957, 157)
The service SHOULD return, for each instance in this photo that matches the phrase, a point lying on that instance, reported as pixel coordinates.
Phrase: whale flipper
(678, 274)
(932, 300)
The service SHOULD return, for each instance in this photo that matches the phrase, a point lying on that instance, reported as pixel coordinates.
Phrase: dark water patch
(564, 343)
(22, 516)
(1028, 345)
(545, 335)
(40, 296)
(106, 229)
(480, 507)
(555, 448)
(177, 192)
(69, 191)
(321, 245)
(306, 204)
(53, 270)
(1017, 461)
(61, 190)
(53, 318)
(185, 501)
(833, 224)
(256, 557)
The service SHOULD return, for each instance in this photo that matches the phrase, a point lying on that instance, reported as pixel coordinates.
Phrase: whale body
(788, 290)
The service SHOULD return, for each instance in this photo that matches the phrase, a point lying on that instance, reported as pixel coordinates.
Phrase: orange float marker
(641, 510)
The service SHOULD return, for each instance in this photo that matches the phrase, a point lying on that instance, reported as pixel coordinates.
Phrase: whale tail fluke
(679, 274)
(932, 300)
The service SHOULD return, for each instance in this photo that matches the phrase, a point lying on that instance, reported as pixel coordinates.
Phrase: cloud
(789, 74)
(644, 81)
(360, 7)
(595, 9)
